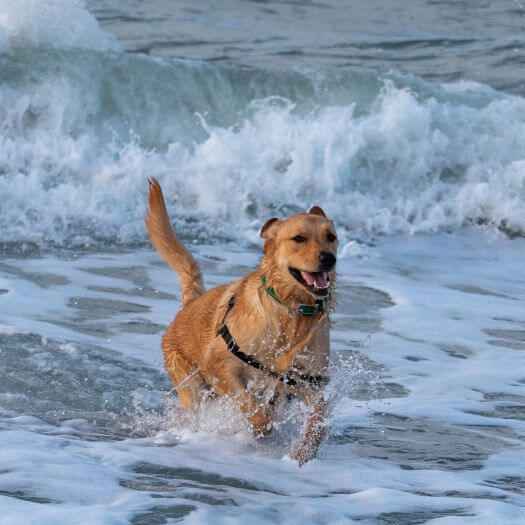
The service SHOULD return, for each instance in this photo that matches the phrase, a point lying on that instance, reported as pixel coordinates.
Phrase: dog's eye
(299, 238)
(330, 237)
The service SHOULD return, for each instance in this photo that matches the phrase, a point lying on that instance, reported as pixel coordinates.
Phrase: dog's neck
(285, 291)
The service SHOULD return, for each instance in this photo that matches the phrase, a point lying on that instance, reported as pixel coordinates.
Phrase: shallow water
(426, 416)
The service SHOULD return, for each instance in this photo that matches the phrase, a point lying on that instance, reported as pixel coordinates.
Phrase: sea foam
(51, 23)
(83, 127)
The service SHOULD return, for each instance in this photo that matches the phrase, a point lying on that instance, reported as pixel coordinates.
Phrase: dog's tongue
(316, 279)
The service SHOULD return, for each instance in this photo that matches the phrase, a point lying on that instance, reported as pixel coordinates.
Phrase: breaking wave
(83, 125)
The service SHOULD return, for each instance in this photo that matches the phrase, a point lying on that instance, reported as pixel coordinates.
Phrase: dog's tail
(170, 248)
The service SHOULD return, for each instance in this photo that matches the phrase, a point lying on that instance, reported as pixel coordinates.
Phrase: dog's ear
(315, 210)
(268, 227)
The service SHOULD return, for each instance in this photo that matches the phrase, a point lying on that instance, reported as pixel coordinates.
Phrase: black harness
(289, 378)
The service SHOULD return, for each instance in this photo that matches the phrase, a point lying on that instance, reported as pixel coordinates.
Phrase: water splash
(51, 23)
(352, 381)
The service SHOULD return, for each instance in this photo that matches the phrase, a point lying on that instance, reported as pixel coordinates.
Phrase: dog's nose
(327, 260)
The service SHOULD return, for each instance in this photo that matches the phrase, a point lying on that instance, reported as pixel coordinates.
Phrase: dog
(259, 339)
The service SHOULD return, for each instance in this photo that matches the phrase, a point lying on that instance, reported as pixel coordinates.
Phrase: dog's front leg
(227, 382)
(306, 448)
(255, 413)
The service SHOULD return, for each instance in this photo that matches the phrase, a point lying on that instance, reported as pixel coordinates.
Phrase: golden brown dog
(259, 338)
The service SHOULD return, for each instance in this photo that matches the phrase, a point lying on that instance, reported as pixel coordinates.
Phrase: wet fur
(197, 359)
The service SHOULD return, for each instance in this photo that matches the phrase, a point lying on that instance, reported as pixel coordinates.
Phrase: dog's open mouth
(315, 282)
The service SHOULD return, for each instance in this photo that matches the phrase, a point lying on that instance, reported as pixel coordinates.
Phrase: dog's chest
(273, 339)
(290, 346)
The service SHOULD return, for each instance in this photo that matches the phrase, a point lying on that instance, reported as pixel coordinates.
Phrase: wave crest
(51, 23)
(82, 130)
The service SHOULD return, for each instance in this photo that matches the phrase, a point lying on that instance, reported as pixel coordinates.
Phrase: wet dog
(263, 337)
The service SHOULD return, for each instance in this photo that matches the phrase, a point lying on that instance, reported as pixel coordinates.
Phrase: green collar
(303, 309)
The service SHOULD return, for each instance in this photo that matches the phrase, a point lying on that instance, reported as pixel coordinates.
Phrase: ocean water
(404, 120)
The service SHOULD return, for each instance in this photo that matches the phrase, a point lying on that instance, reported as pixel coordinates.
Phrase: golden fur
(197, 358)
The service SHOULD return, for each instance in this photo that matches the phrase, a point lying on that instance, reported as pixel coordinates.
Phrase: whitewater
(405, 123)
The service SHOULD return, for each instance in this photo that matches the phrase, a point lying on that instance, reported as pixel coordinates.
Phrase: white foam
(449, 290)
(406, 164)
(7, 329)
(51, 23)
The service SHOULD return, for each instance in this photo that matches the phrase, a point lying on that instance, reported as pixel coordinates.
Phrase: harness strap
(287, 379)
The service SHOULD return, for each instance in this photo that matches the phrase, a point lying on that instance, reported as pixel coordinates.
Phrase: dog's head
(302, 250)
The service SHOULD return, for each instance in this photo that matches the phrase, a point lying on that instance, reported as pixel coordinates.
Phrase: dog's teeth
(319, 280)
(309, 278)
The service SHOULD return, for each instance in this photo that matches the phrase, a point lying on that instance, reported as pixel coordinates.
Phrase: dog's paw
(302, 454)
